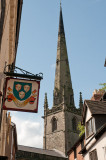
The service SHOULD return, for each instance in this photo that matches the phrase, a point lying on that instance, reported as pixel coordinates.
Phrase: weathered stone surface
(63, 108)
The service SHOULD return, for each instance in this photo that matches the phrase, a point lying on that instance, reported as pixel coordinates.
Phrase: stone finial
(61, 25)
(97, 94)
(45, 102)
(81, 102)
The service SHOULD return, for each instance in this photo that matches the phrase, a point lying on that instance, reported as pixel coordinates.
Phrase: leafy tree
(103, 86)
(81, 128)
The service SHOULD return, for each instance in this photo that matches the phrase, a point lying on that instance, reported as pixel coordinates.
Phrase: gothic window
(54, 124)
(74, 124)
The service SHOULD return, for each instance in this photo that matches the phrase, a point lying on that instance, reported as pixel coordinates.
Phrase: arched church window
(74, 124)
(54, 124)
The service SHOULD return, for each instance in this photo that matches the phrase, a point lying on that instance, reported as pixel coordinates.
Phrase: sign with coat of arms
(21, 95)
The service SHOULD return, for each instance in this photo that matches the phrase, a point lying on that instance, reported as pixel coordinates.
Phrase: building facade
(10, 15)
(60, 122)
(94, 119)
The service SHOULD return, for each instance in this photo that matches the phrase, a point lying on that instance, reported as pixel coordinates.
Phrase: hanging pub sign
(21, 95)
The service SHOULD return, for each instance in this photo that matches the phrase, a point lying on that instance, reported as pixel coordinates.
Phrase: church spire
(61, 25)
(62, 73)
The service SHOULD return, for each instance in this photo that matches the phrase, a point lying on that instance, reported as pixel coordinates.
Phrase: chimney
(97, 95)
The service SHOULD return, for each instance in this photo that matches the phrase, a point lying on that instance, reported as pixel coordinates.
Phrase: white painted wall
(88, 115)
(99, 146)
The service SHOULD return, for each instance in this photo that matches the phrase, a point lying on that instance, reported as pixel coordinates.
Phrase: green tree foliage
(103, 86)
(81, 128)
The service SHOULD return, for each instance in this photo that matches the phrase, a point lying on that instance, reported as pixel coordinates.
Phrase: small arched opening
(54, 124)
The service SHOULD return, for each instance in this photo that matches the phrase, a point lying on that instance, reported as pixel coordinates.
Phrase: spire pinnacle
(81, 102)
(60, 3)
(61, 25)
(45, 102)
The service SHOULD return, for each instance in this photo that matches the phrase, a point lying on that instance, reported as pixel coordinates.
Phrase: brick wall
(77, 147)
(79, 156)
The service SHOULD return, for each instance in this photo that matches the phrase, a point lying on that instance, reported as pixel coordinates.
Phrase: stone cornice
(62, 107)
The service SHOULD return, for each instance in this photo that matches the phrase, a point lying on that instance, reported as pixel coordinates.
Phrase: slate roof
(54, 152)
(96, 107)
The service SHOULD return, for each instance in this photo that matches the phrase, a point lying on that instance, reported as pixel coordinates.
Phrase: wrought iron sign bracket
(11, 70)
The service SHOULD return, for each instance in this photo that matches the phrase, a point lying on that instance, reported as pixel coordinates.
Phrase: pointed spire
(45, 102)
(60, 3)
(61, 25)
(62, 73)
(81, 102)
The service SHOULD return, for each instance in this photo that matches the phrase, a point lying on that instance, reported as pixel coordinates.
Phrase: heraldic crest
(21, 93)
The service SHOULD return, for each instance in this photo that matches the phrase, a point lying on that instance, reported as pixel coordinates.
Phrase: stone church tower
(60, 122)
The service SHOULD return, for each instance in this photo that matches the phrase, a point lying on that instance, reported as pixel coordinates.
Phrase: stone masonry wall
(56, 139)
(71, 135)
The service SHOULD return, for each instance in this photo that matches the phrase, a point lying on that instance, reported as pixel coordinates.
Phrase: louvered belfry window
(54, 124)
(93, 155)
(74, 124)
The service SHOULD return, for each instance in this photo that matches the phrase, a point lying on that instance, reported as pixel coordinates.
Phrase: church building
(60, 122)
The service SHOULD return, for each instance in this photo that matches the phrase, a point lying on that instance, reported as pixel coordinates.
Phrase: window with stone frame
(54, 124)
(74, 124)
(93, 155)
(89, 127)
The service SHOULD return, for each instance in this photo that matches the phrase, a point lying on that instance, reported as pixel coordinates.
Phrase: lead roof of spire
(61, 25)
